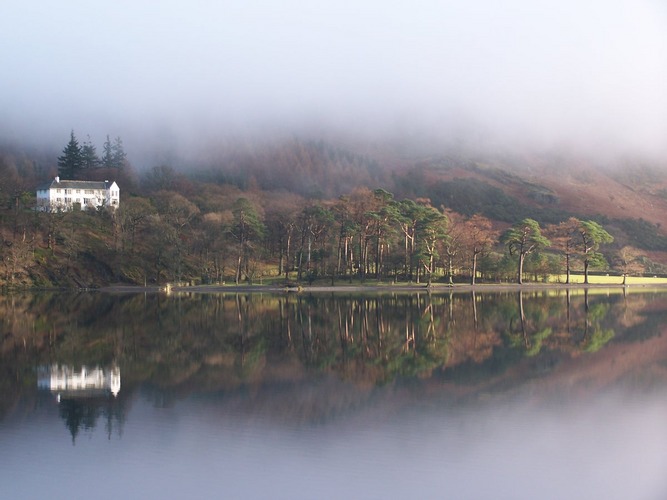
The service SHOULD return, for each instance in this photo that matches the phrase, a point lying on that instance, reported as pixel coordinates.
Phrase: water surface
(505, 395)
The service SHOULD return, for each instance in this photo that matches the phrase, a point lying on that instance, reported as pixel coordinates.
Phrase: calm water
(501, 396)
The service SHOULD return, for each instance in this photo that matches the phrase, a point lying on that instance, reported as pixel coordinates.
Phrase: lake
(547, 394)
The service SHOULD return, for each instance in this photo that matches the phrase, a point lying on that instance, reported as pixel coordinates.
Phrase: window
(88, 191)
(78, 191)
(68, 191)
(58, 190)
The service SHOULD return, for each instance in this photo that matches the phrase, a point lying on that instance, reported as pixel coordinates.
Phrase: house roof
(65, 184)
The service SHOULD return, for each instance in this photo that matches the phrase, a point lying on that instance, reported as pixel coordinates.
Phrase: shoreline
(380, 288)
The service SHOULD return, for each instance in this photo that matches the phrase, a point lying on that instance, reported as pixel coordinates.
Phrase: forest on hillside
(298, 212)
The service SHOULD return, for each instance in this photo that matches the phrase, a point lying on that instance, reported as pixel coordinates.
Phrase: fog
(172, 75)
(609, 447)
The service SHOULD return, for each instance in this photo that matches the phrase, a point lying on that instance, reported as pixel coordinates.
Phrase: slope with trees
(173, 226)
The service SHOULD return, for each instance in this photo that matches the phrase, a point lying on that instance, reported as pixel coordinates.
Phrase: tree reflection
(533, 329)
(595, 334)
(181, 344)
(82, 414)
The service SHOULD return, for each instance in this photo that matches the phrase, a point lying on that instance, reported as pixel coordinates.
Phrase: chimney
(57, 179)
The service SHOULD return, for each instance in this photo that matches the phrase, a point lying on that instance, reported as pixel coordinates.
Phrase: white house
(64, 195)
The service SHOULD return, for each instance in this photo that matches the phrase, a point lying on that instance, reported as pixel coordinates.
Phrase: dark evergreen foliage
(107, 155)
(114, 155)
(71, 161)
(117, 154)
(89, 159)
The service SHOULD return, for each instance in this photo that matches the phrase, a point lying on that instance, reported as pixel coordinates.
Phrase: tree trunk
(450, 269)
(310, 246)
(430, 270)
(339, 256)
(405, 261)
(474, 269)
(365, 260)
(239, 262)
(378, 255)
(299, 272)
(287, 254)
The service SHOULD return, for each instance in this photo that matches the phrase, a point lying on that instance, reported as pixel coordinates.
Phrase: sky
(535, 73)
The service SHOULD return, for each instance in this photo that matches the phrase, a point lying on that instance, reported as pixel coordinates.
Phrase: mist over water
(611, 446)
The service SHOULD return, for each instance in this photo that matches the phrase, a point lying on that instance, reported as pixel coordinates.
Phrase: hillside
(557, 184)
(629, 196)
(310, 200)
(624, 191)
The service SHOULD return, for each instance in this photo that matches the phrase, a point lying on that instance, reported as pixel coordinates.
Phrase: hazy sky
(589, 73)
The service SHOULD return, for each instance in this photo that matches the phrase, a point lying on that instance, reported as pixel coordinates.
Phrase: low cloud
(520, 73)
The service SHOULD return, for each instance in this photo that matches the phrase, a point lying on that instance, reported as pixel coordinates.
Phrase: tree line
(76, 159)
(364, 235)
(172, 228)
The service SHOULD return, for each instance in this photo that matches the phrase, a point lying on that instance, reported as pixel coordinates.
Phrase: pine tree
(117, 154)
(592, 235)
(522, 239)
(89, 157)
(107, 157)
(70, 163)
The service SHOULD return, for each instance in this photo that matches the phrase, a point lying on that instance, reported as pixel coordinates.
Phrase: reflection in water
(67, 382)
(223, 342)
(404, 395)
(82, 396)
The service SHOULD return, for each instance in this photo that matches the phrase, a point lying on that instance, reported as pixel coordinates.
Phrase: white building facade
(61, 195)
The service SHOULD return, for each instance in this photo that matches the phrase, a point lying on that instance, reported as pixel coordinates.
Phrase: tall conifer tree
(117, 153)
(89, 157)
(107, 155)
(71, 161)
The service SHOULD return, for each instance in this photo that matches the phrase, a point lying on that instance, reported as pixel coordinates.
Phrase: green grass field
(609, 280)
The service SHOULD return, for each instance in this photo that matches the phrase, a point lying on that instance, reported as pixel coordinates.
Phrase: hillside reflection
(464, 343)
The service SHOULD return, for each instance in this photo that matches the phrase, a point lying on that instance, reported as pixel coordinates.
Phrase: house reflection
(83, 396)
(67, 382)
